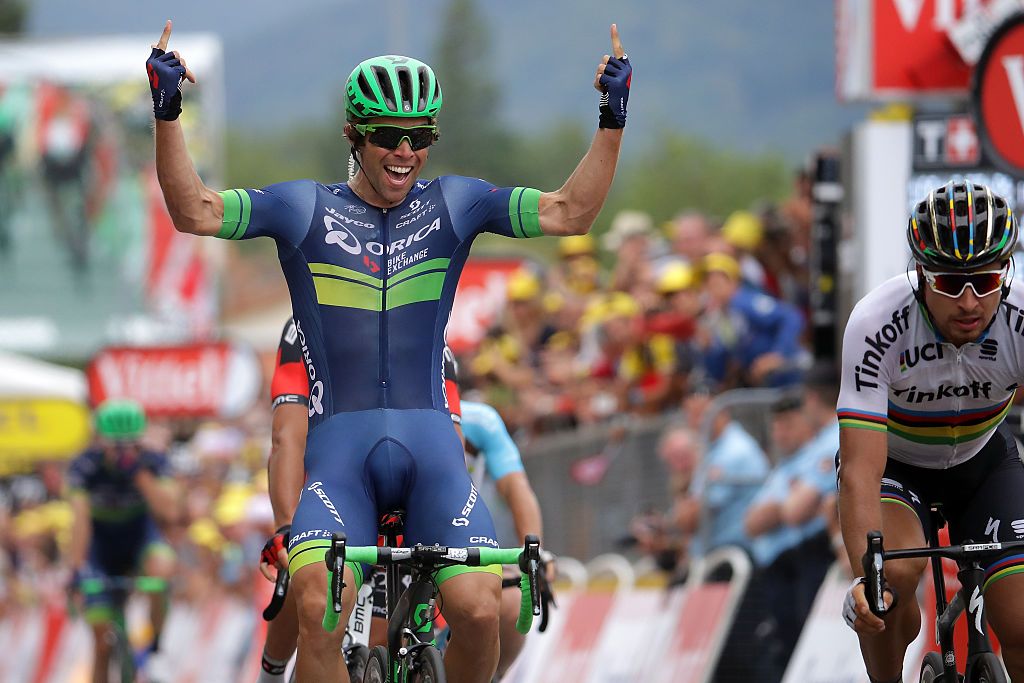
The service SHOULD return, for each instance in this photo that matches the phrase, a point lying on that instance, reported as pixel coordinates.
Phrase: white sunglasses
(983, 282)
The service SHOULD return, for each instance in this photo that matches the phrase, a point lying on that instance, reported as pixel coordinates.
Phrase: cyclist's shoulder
(87, 462)
(482, 415)
(894, 302)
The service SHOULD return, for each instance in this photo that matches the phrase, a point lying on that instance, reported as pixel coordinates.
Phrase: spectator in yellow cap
(635, 368)
(753, 339)
(744, 232)
(510, 353)
(577, 273)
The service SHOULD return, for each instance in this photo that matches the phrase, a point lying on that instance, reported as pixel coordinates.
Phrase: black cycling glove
(616, 80)
(165, 76)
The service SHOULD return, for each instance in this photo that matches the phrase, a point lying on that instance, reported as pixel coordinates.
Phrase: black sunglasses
(390, 137)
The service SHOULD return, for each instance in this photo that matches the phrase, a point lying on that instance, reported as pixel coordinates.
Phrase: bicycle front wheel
(931, 668)
(986, 668)
(378, 668)
(429, 667)
(356, 658)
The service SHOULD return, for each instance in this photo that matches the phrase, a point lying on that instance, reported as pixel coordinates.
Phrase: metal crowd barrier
(625, 476)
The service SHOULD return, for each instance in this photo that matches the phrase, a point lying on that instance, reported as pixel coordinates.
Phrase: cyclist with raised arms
(118, 491)
(931, 363)
(372, 265)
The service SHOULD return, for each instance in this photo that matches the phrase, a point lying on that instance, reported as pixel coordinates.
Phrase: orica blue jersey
(486, 431)
(372, 288)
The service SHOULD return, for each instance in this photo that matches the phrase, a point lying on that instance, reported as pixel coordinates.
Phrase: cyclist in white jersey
(931, 362)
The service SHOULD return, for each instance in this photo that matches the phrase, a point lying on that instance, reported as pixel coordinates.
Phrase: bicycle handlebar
(277, 597)
(143, 584)
(874, 575)
(527, 558)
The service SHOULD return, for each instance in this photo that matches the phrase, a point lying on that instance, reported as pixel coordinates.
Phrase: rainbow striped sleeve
(862, 419)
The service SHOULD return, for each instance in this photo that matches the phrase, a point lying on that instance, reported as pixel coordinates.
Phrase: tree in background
(12, 16)
(473, 140)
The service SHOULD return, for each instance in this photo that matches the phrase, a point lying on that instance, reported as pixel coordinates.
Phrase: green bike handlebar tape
(525, 621)
(330, 621)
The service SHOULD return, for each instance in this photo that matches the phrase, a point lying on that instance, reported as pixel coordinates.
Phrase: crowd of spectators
(647, 320)
(222, 520)
(636, 320)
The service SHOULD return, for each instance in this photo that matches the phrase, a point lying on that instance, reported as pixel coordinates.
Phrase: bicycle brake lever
(874, 575)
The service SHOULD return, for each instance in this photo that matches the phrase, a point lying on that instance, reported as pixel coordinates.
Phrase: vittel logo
(877, 345)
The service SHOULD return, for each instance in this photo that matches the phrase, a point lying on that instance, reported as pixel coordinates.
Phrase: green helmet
(392, 86)
(120, 420)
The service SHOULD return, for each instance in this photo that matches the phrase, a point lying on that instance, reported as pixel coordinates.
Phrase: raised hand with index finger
(166, 71)
(612, 80)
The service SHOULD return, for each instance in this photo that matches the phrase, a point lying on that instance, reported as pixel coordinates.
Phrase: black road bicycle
(983, 666)
(411, 655)
(122, 664)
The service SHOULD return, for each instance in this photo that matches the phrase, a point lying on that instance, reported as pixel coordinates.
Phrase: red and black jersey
(290, 383)
(451, 385)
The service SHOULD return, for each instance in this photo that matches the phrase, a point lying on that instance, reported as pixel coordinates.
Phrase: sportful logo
(989, 349)
(316, 389)
(1018, 527)
(912, 357)
(885, 337)
(317, 488)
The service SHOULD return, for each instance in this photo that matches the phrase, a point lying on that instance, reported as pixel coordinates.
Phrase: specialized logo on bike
(975, 389)
(911, 357)
(317, 488)
(885, 337)
(976, 607)
(467, 509)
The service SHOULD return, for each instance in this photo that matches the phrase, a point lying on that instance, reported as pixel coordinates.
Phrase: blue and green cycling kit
(371, 292)
(123, 529)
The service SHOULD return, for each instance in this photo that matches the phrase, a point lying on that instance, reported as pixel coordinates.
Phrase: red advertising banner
(479, 301)
(999, 97)
(903, 48)
(912, 51)
(200, 380)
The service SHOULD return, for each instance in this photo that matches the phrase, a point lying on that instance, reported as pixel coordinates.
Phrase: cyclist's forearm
(194, 208)
(161, 495)
(285, 466)
(81, 531)
(859, 512)
(517, 493)
(862, 457)
(571, 210)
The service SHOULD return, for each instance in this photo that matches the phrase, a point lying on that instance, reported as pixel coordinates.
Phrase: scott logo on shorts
(316, 487)
(467, 508)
